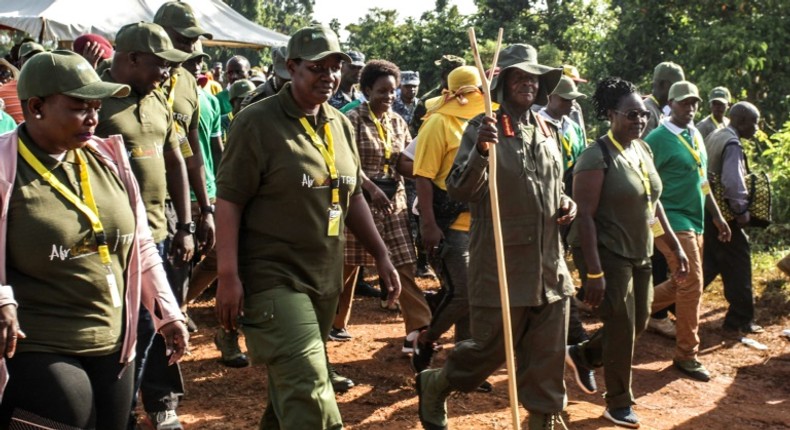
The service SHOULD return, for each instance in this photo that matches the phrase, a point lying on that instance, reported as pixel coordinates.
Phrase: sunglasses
(632, 115)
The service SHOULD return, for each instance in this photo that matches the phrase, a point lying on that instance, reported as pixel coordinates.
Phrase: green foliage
(776, 161)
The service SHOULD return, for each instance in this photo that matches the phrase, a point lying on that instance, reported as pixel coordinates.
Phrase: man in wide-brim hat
(532, 207)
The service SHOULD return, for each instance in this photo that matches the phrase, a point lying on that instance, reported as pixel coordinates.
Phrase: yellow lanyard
(88, 207)
(693, 151)
(171, 95)
(328, 152)
(641, 170)
(230, 116)
(567, 145)
(386, 140)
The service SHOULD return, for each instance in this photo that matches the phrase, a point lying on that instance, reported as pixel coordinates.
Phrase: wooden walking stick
(498, 244)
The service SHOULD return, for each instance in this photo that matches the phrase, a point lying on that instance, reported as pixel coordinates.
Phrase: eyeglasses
(632, 115)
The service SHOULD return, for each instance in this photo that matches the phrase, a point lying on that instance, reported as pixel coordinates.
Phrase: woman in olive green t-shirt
(616, 188)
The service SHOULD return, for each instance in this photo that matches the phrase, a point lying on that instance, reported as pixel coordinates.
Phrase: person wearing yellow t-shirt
(444, 224)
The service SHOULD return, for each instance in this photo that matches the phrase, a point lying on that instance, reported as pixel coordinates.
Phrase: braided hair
(608, 94)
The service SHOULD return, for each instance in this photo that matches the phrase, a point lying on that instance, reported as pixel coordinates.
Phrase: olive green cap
(566, 89)
(30, 48)
(150, 38)
(721, 94)
(524, 57)
(197, 51)
(315, 43)
(64, 72)
(240, 88)
(180, 17)
(668, 71)
(449, 62)
(279, 55)
(682, 90)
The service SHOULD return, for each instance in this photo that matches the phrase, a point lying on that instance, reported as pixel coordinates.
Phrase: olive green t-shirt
(65, 305)
(185, 105)
(272, 170)
(621, 221)
(146, 125)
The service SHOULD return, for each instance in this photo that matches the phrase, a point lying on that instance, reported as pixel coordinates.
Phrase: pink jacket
(146, 281)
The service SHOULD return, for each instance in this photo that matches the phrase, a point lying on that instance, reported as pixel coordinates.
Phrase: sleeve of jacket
(468, 178)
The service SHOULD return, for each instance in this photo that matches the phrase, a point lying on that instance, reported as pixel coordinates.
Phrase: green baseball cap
(30, 48)
(150, 38)
(75, 78)
(197, 51)
(720, 94)
(240, 88)
(314, 43)
(567, 89)
(668, 71)
(180, 17)
(279, 54)
(682, 90)
(524, 57)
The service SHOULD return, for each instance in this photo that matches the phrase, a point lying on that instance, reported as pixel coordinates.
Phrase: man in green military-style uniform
(285, 189)
(664, 75)
(719, 101)
(141, 60)
(274, 84)
(532, 208)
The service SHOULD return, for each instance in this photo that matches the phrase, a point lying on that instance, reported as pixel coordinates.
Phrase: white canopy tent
(65, 20)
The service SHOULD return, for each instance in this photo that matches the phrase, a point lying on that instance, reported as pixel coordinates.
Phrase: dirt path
(750, 389)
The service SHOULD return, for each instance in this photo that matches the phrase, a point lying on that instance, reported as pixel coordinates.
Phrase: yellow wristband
(595, 275)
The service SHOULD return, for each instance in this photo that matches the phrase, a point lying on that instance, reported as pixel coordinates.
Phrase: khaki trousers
(686, 295)
(415, 310)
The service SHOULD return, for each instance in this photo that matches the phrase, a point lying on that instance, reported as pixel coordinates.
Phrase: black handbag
(758, 186)
(388, 185)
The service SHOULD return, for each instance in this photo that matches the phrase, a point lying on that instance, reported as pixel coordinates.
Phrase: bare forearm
(177, 187)
(228, 237)
(425, 199)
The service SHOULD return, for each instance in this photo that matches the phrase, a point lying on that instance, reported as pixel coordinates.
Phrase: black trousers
(66, 392)
(733, 261)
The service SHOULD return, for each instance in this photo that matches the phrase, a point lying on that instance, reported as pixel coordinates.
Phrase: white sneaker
(165, 420)
(408, 343)
(662, 326)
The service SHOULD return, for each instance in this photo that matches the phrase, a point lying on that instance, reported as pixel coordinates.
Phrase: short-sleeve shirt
(224, 102)
(440, 137)
(65, 304)
(682, 198)
(146, 124)
(208, 128)
(185, 104)
(272, 169)
(621, 220)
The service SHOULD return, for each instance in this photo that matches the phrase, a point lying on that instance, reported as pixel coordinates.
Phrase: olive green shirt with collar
(60, 283)
(146, 124)
(709, 124)
(530, 170)
(656, 114)
(186, 105)
(272, 169)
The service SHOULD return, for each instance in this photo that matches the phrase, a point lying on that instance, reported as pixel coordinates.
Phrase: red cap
(80, 42)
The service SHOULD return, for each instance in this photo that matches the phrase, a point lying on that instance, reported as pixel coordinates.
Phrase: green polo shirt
(682, 197)
(273, 171)
(224, 102)
(146, 125)
(208, 127)
(65, 304)
(185, 105)
(7, 122)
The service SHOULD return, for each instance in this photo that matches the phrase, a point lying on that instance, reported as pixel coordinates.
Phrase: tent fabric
(65, 20)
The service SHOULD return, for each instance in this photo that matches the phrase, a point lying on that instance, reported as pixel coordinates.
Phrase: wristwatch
(188, 227)
(207, 209)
